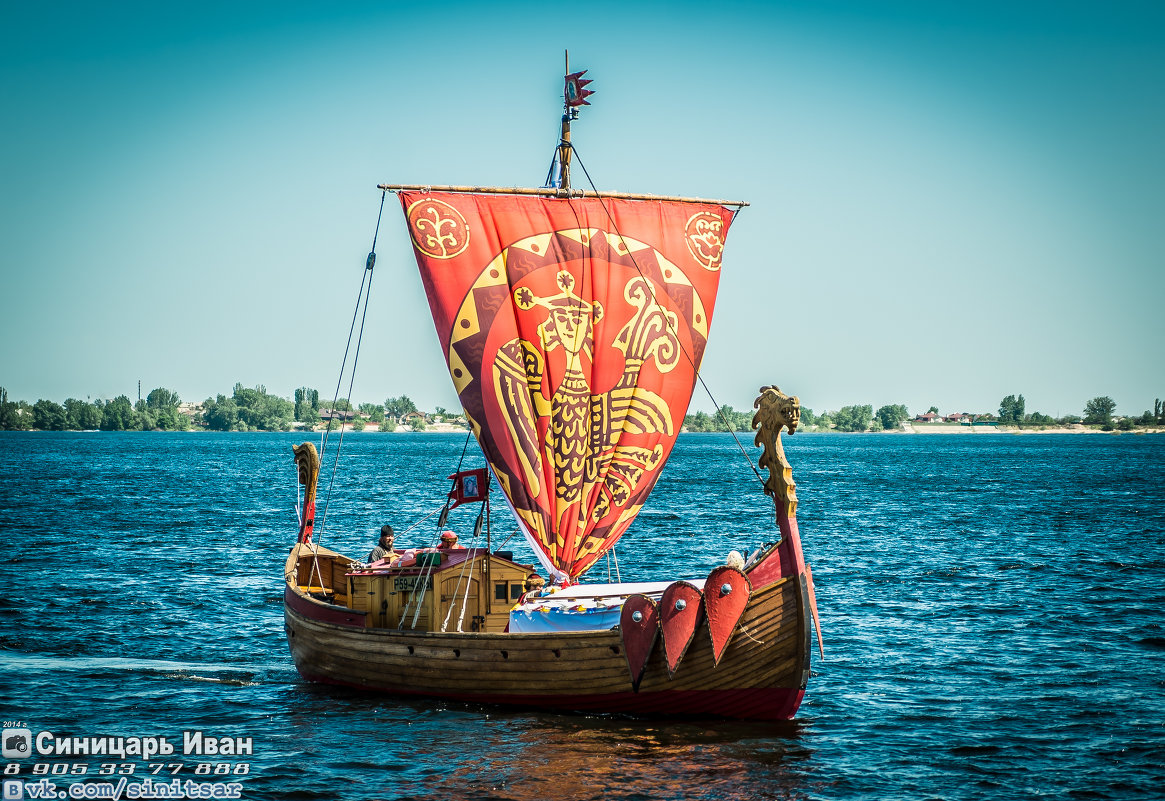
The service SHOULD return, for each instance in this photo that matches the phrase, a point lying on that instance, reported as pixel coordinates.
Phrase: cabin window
(515, 592)
(499, 592)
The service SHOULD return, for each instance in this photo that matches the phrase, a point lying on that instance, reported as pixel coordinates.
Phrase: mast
(496, 271)
(568, 114)
(573, 96)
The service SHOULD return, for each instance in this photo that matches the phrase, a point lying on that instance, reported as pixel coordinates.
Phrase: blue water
(993, 609)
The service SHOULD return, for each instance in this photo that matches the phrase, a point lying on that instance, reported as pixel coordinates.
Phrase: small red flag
(469, 486)
(574, 92)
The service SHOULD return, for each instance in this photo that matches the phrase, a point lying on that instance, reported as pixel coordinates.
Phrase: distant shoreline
(929, 430)
(938, 428)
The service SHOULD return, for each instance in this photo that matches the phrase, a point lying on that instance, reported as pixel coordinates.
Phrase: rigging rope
(365, 293)
(651, 286)
(420, 597)
(464, 565)
(507, 539)
(456, 591)
(464, 448)
(422, 520)
(550, 173)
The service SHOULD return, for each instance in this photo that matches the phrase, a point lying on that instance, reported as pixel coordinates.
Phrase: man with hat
(533, 587)
(384, 549)
(449, 541)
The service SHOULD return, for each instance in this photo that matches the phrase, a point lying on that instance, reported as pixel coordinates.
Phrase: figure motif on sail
(573, 330)
(593, 470)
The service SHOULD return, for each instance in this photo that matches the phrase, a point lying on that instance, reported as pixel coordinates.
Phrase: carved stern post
(775, 411)
(308, 462)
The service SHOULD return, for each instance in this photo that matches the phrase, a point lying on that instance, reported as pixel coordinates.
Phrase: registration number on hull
(411, 583)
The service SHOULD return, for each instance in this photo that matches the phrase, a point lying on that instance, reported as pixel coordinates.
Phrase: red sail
(573, 329)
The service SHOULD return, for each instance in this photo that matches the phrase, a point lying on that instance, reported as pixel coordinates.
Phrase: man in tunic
(384, 549)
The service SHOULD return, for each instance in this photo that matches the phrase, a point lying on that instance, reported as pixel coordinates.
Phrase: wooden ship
(573, 324)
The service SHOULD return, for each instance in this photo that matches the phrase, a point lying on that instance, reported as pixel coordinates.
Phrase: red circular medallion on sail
(705, 235)
(438, 229)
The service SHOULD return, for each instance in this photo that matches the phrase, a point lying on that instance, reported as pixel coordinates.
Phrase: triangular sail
(573, 329)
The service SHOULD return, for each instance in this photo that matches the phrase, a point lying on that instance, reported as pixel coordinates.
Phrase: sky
(950, 202)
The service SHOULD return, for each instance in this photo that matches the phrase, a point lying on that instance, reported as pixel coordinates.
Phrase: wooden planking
(339, 577)
(587, 665)
(448, 588)
(469, 678)
(753, 623)
(446, 682)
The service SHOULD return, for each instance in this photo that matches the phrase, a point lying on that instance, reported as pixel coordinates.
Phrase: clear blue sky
(951, 202)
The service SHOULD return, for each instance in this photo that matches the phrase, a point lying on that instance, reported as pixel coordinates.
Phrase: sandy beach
(945, 428)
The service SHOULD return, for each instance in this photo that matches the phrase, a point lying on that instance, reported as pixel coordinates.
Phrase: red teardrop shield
(680, 611)
(726, 595)
(639, 636)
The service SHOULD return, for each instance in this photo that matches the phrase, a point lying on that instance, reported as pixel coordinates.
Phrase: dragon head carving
(776, 410)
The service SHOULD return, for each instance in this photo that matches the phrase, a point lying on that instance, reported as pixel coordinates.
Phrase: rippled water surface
(993, 611)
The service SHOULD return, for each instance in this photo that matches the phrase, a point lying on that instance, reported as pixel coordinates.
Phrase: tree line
(847, 418)
(245, 409)
(157, 411)
(254, 409)
(1098, 412)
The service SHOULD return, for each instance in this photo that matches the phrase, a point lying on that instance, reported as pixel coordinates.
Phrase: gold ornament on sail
(438, 229)
(705, 235)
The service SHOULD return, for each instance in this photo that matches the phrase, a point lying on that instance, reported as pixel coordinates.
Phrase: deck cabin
(467, 589)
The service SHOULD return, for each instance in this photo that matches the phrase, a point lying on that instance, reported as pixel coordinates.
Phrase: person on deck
(384, 549)
(449, 542)
(534, 585)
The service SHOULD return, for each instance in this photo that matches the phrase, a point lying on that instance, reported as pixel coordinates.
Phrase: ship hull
(761, 675)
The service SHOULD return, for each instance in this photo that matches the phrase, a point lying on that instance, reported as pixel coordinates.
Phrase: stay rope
(464, 564)
(419, 598)
(667, 319)
(462, 575)
(364, 294)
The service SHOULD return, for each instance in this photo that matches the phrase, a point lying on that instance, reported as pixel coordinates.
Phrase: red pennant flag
(574, 92)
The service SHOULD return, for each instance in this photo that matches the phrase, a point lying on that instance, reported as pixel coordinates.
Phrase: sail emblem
(572, 333)
(705, 235)
(438, 229)
(595, 470)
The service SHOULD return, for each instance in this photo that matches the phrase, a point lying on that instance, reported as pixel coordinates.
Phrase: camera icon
(17, 744)
(13, 790)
